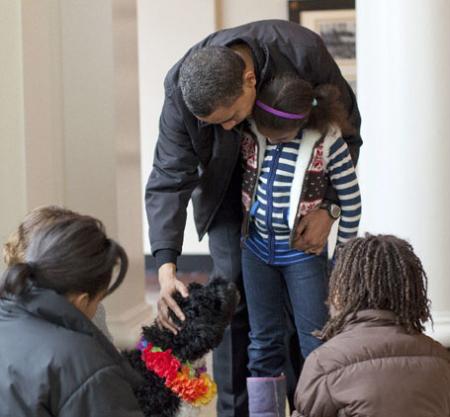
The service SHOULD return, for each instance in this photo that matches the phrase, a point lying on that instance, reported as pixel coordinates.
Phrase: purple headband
(279, 113)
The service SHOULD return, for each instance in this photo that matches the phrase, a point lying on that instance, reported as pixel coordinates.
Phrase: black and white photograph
(339, 37)
(337, 28)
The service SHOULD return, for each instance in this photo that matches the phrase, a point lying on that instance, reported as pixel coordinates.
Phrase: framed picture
(335, 22)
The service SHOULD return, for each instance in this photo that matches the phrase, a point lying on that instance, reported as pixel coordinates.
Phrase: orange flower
(180, 379)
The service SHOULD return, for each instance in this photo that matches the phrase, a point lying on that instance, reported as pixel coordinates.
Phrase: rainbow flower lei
(192, 385)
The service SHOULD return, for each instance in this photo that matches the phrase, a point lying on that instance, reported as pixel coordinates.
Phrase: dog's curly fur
(208, 310)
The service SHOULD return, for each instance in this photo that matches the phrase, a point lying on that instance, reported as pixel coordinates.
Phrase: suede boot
(267, 396)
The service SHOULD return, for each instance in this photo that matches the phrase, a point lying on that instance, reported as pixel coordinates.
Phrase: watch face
(335, 211)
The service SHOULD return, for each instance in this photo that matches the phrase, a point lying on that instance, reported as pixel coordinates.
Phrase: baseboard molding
(126, 327)
(440, 330)
(185, 263)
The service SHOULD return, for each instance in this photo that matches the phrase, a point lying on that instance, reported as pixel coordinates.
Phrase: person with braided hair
(53, 360)
(376, 361)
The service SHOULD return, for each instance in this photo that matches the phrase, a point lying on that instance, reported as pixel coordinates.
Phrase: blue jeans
(266, 288)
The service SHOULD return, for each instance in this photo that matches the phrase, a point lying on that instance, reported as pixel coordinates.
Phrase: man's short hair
(211, 77)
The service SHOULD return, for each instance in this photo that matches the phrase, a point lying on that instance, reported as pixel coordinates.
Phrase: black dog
(208, 311)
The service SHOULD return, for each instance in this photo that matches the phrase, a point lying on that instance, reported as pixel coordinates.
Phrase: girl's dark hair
(291, 94)
(69, 256)
(378, 272)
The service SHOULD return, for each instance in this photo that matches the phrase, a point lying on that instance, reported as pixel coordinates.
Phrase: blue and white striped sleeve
(343, 178)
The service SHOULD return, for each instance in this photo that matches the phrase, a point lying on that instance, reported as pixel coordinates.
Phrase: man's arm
(172, 180)
(169, 188)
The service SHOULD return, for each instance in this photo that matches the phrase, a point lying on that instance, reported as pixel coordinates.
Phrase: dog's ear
(225, 295)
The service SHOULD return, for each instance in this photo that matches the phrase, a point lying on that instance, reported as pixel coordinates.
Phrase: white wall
(165, 32)
(238, 12)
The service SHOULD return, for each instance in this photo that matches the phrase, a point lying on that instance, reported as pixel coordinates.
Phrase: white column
(404, 97)
(101, 139)
(70, 127)
(43, 99)
(12, 136)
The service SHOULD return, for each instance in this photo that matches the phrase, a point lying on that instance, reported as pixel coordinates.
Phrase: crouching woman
(53, 360)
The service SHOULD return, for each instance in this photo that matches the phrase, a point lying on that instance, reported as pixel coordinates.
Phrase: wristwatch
(333, 209)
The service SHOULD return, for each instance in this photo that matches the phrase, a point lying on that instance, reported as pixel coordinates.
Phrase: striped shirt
(343, 178)
(269, 233)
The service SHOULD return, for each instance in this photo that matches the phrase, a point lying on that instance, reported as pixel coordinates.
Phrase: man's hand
(312, 232)
(169, 284)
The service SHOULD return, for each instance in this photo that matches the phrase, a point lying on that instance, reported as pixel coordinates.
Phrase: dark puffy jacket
(375, 369)
(55, 362)
(192, 155)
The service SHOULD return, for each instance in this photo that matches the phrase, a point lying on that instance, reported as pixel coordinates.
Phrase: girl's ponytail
(117, 253)
(16, 279)
(329, 111)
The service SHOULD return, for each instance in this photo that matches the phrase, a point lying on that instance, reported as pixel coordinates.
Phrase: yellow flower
(210, 393)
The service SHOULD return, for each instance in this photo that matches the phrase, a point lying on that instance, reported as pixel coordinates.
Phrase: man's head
(217, 86)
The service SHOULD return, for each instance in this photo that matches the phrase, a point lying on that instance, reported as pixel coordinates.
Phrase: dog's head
(208, 310)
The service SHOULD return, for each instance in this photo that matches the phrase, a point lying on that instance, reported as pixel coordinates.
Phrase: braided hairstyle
(378, 272)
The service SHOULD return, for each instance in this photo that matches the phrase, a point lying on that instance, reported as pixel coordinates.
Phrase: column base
(126, 327)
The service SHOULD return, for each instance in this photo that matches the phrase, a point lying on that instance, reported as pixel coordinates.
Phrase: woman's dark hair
(291, 94)
(378, 272)
(16, 245)
(211, 77)
(69, 256)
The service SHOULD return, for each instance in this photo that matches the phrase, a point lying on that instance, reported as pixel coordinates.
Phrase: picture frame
(335, 22)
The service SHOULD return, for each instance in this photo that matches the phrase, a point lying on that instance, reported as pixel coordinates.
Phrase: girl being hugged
(292, 152)
(53, 360)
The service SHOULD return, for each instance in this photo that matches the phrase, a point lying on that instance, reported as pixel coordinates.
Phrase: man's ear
(249, 78)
